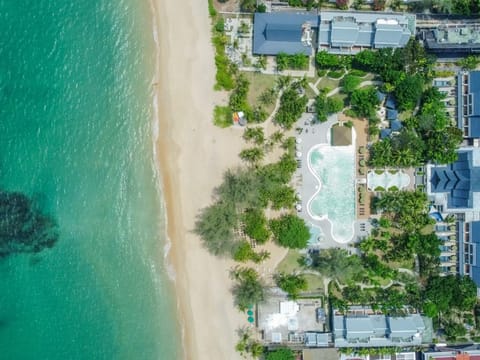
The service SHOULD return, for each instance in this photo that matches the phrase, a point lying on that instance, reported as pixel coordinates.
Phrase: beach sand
(193, 155)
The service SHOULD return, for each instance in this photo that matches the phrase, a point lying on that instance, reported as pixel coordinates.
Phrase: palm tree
(283, 81)
(255, 134)
(252, 155)
(268, 96)
(276, 137)
(261, 62)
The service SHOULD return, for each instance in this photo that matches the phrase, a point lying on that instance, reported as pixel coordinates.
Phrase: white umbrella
(298, 140)
(299, 154)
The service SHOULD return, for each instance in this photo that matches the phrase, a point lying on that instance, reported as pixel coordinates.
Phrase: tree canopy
(292, 105)
(364, 101)
(290, 231)
(451, 292)
(408, 92)
(248, 288)
(326, 106)
(256, 225)
(292, 284)
(325, 60)
(337, 264)
(350, 83)
(24, 228)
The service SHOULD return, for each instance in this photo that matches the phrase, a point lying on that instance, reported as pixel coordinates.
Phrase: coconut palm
(252, 155)
(283, 82)
(268, 96)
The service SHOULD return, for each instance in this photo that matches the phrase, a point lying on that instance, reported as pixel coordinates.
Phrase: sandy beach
(193, 155)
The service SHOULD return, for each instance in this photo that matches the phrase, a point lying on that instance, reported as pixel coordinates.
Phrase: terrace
(301, 323)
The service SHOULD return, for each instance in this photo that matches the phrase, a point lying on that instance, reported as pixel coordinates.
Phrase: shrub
(220, 25)
(393, 188)
(356, 72)
(222, 116)
(295, 61)
(211, 9)
(350, 83)
(335, 74)
(379, 188)
(281, 354)
(261, 8)
(244, 252)
(321, 72)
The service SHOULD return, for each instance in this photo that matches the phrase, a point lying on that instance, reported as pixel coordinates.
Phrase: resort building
(337, 32)
(368, 329)
(454, 190)
(468, 104)
(284, 32)
(298, 323)
(451, 39)
(471, 352)
(343, 32)
(410, 355)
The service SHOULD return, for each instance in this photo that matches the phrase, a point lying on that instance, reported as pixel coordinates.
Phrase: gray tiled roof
(337, 31)
(378, 330)
(387, 35)
(344, 32)
(281, 32)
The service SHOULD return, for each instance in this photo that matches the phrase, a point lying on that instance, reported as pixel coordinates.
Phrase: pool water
(334, 168)
(316, 236)
(387, 180)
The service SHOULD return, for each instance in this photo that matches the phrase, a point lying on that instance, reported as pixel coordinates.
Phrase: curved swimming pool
(334, 199)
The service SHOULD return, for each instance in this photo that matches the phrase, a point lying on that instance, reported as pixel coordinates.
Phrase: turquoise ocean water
(76, 133)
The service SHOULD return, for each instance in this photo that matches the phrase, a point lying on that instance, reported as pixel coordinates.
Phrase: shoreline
(191, 156)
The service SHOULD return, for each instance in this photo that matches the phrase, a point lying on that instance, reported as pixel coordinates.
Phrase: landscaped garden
(396, 268)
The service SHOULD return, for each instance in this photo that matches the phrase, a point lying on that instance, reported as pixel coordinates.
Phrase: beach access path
(193, 155)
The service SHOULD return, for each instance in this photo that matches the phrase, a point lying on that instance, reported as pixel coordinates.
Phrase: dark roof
(384, 133)
(392, 114)
(390, 103)
(395, 125)
(474, 122)
(380, 96)
(281, 32)
(475, 235)
(475, 90)
(460, 180)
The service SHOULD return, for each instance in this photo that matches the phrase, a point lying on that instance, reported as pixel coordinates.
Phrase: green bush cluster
(295, 62)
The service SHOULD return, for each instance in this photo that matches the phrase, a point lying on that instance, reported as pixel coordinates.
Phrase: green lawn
(290, 262)
(326, 82)
(259, 83)
(341, 96)
(309, 93)
(404, 115)
(315, 282)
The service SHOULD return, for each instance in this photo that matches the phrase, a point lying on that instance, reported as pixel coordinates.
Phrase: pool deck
(306, 183)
